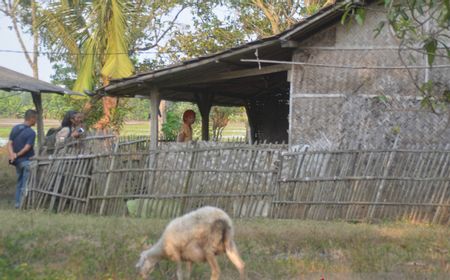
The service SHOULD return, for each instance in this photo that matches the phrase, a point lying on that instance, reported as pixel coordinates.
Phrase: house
(320, 83)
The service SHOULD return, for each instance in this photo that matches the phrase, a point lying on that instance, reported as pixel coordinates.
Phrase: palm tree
(96, 34)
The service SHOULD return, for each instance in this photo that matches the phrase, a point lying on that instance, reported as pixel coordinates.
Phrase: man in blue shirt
(20, 150)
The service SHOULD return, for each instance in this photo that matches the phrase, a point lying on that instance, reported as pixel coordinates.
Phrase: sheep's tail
(232, 251)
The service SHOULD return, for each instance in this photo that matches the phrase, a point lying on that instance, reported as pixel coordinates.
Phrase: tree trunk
(109, 103)
(37, 98)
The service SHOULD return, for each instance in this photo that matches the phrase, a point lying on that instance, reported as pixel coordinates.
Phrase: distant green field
(4, 132)
(129, 128)
(143, 128)
(135, 128)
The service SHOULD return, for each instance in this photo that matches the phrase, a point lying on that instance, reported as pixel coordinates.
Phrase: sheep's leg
(179, 270)
(215, 269)
(235, 258)
(188, 269)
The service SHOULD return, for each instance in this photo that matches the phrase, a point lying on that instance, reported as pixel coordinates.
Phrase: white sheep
(197, 236)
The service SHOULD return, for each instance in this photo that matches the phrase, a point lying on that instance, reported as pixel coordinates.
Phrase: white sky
(17, 61)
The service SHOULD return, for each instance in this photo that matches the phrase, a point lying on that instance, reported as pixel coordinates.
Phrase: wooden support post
(154, 105)
(251, 123)
(204, 103)
(387, 168)
(109, 177)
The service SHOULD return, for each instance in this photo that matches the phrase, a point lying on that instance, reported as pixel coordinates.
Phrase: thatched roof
(14, 81)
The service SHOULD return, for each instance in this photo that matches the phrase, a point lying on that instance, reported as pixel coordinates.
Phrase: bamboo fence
(177, 178)
(364, 184)
(60, 181)
(123, 177)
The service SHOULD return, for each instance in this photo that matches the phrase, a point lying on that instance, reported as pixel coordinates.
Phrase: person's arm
(11, 155)
(62, 135)
(180, 137)
(75, 133)
(24, 150)
(29, 142)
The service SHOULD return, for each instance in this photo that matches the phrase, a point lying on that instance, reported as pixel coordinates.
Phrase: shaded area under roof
(14, 81)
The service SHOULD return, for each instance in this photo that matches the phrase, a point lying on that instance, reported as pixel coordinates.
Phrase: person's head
(31, 117)
(70, 119)
(189, 117)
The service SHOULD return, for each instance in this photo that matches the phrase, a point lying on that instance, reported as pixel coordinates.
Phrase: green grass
(143, 128)
(37, 245)
(7, 176)
(131, 128)
(4, 132)
(135, 128)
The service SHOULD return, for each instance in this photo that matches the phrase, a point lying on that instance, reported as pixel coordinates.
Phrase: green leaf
(430, 46)
(419, 6)
(360, 16)
(345, 15)
(446, 96)
(379, 28)
(427, 87)
(448, 51)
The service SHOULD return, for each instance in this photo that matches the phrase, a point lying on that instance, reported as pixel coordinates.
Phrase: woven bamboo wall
(348, 108)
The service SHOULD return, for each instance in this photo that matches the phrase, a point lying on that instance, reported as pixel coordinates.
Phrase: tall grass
(7, 179)
(36, 245)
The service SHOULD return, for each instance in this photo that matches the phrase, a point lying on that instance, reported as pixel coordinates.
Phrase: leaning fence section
(364, 184)
(59, 181)
(167, 182)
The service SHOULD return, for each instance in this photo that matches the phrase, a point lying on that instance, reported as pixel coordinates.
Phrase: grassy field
(7, 178)
(36, 245)
(130, 128)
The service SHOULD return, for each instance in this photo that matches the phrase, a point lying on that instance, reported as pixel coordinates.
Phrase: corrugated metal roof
(330, 10)
(14, 81)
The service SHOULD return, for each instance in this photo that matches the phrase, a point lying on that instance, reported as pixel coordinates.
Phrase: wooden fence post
(188, 179)
(383, 181)
(108, 178)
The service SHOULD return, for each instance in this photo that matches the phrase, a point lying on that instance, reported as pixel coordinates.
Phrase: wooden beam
(182, 67)
(251, 121)
(290, 44)
(204, 103)
(154, 105)
(232, 75)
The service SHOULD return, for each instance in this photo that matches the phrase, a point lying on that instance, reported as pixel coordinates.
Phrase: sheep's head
(146, 263)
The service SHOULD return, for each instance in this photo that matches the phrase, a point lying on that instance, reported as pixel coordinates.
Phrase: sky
(17, 61)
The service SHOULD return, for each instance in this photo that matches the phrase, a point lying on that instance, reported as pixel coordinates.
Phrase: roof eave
(182, 67)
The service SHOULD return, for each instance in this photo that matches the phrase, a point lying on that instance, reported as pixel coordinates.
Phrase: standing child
(185, 134)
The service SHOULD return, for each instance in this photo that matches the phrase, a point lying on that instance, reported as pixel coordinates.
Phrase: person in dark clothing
(70, 127)
(20, 150)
